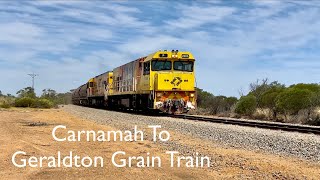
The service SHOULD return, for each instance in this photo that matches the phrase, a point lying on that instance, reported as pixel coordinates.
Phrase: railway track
(249, 123)
(262, 124)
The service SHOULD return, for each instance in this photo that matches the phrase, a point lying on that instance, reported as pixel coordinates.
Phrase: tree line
(297, 103)
(26, 97)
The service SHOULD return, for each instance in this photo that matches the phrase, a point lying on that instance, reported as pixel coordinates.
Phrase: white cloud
(195, 16)
(148, 44)
(267, 2)
(15, 56)
(19, 33)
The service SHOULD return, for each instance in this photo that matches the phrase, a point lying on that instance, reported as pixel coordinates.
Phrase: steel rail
(262, 124)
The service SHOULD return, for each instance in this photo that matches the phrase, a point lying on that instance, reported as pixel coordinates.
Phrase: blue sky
(234, 42)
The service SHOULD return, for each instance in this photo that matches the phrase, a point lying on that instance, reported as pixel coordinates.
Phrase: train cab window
(146, 68)
(160, 65)
(183, 66)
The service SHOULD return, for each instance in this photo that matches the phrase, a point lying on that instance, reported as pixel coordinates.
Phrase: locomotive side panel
(79, 95)
(103, 83)
(125, 78)
(83, 91)
(99, 89)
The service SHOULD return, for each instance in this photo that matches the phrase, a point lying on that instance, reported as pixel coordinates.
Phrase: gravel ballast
(304, 146)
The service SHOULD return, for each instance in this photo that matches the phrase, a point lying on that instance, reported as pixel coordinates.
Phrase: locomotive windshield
(157, 65)
(183, 66)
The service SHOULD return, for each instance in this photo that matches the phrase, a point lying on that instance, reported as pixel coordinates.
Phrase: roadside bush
(203, 98)
(215, 104)
(269, 100)
(24, 102)
(292, 100)
(231, 101)
(221, 105)
(43, 103)
(246, 105)
(27, 98)
(311, 87)
(33, 103)
(259, 88)
(297, 103)
(5, 105)
(6, 102)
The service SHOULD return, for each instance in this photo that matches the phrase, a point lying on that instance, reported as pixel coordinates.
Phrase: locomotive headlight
(192, 95)
(159, 94)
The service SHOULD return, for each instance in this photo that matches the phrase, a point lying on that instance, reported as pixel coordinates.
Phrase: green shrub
(259, 88)
(269, 100)
(5, 105)
(43, 103)
(311, 87)
(24, 102)
(204, 98)
(220, 104)
(246, 105)
(292, 100)
(34, 103)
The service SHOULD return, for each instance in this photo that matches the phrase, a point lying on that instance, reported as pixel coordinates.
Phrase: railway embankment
(291, 144)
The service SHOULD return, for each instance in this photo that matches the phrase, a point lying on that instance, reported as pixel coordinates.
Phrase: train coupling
(174, 106)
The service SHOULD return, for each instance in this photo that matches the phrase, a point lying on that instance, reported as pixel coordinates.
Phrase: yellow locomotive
(163, 80)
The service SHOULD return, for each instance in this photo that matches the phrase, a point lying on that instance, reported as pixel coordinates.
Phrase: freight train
(163, 81)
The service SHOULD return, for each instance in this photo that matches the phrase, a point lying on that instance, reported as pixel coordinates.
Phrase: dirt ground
(19, 131)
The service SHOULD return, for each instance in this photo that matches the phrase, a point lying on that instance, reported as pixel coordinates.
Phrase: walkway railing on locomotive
(125, 85)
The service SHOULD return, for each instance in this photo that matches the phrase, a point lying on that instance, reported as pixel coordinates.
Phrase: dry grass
(300, 118)
(227, 163)
(266, 114)
(2, 100)
(6, 102)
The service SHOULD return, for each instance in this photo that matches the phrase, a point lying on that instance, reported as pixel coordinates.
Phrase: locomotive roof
(169, 54)
(103, 73)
